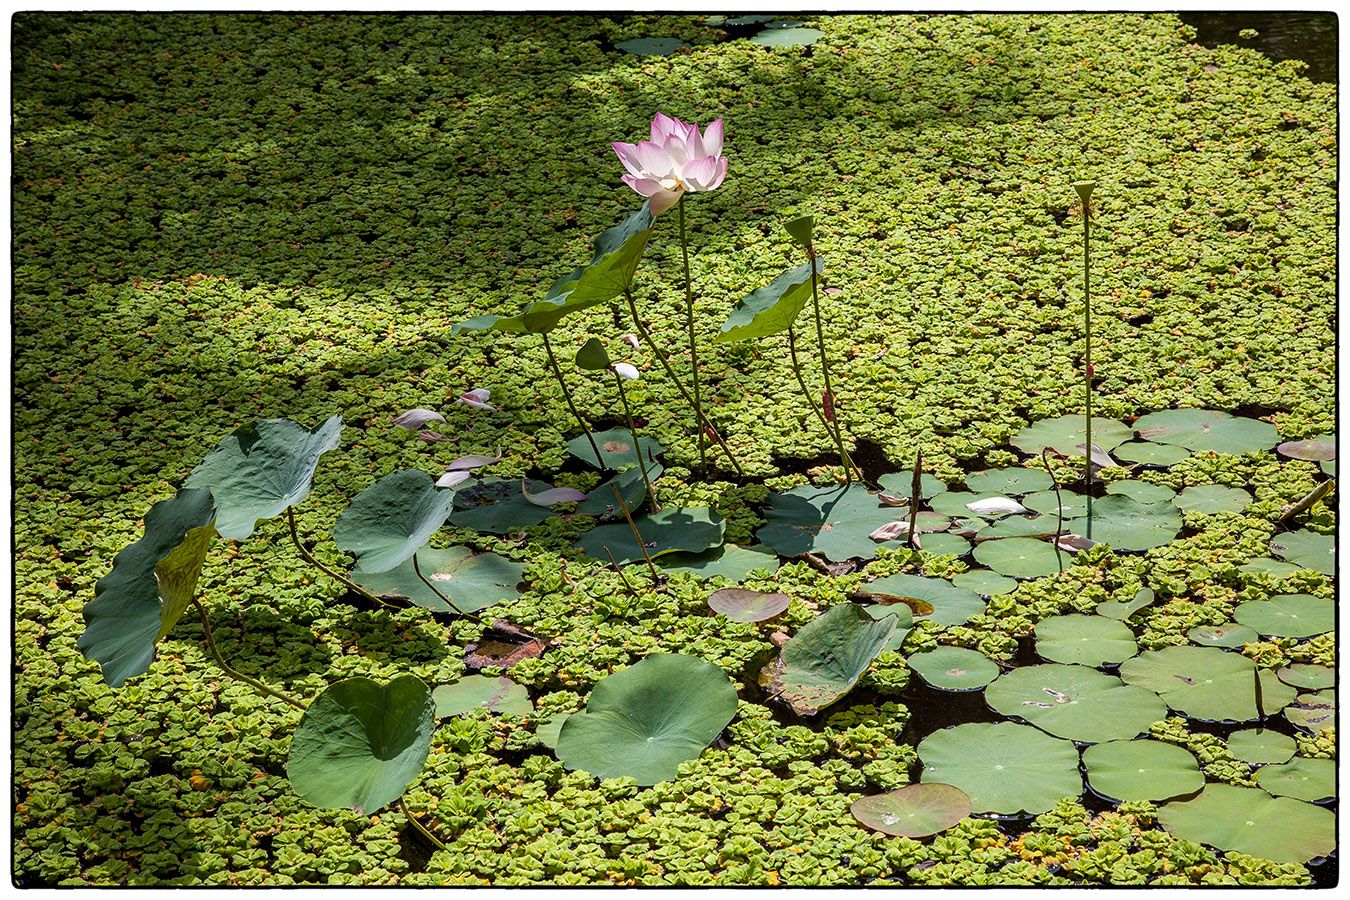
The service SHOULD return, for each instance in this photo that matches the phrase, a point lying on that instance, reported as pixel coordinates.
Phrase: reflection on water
(1307, 36)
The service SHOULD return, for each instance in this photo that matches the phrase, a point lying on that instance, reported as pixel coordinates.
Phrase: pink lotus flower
(676, 159)
(476, 398)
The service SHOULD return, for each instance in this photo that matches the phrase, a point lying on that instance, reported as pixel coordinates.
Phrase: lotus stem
(341, 579)
(1059, 505)
(916, 493)
(567, 395)
(622, 577)
(421, 829)
(637, 535)
(417, 568)
(231, 670)
(1308, 501)
(844, 458)
(693, 345)
(834, 425)
(1084, 189)
(637, 447)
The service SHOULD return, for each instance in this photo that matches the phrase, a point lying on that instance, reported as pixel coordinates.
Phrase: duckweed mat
(223, 218)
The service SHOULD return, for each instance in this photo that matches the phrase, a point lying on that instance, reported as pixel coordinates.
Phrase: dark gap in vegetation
(1141, 319)
(871, 458)
(1255, 410)
(414, 849)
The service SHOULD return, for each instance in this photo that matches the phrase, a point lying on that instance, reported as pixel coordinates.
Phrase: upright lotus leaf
(1207, 683)
(496, 506)
(261, 470)
(644, 721)
(1004, 768)
(954, 668)
(1050, 504)
(1308, 549)
(361, 743)
(899, 613)
(1260, 746)
(1084, 640)
(592, 356)
(1144, 492)
(1301, 778)
(1229, 634)
(1022, 557)
(1150, 454)
(672, 530)
(913, 811)
(1313, 712)
(473, 581)
(392, 519)
(1308, 677)
(951, 605)
(832, 521)
(540, 317)
(1288, 615)
(901, 484)
(1209, 499)
(772, 308)
(826, 658)
(1065, 433)
(740, 605)
(1015, 481)
(497, 695)
(983, 581)
(616, 449)
(1251, 821)
(632, 488)
(1123, 609)
(729, 561)
(1202, 429)
(800, 229)
(1126, 524)
(151, 584)
(1075, 702)
(1142, 770)
(1317, 449)
(547, 731)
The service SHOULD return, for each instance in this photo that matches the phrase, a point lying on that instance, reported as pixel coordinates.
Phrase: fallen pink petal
(414, 419)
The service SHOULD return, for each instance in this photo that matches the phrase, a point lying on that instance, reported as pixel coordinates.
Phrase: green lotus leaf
(1261, 745)
(497, 506)
(740, 605)
(1149, 454)
(1014, 481)
(261, 470)
(1048, 503)
(672, 530)
(1209, 499)
(392, 519)
(1229, 634)
(822, 661)
(547, 731)
(1019, 526)
(653, 46)
(1251, 821)
(787, 37)
(1313, 712)
(539, 317)
(592, 356)
(1144, 492)
(1317, 449)
(800, 228)
(749, 20)
(913, 811)
(361, 743)
(1084, 640)
(497, 695)
(151, 585)
(1022, 557)
(729, 561)
(1300, 778)
(1202, 429)
(1308, 677)
(473, 581)
(903, 617)
(1328, 466)
(983, 581)
(1004, 768)
(1308, 549)
(646, 720)
(1123, 609)
(951, 605)
(832, 521)
(1075, 702)
(1265, 564)
(616, 449)
(954, 668)
(1207, 683)
(772, 308)
(901, 484)
(943, 544)
(1126, 524)
(632, 487)
(1288, 615)
(1142, 770)
(1065, 433)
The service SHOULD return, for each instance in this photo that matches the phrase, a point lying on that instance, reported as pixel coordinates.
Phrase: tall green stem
(567, 394)
(845, 459)
(314, 561)
(1084, 189)
(637, 446)
(693, 345)
(231, 670)
(832, 422)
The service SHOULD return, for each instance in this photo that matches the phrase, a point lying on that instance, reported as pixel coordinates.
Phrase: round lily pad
(1048, 503)
(1123, 609)
(1313, 712)
(1019, 526)
(1300, 778)
(1308, 677)
(1207, 683)
(833, 521)
(983, 581)
(1003, 767)
(651, 46)
(1127, 524)
(1075, 702)
(1141, 491)
(913, 811)
(740, 605)
(951, 605)
(1212, 498)
(1261, 745)
(1250, 821)
(901, 484)
(1148, 453)
(1318, 449)
(1142, 770)
(1085, 640)
(787, 37)
(1289, 615)
(497, 506)
(1202, 429)
(955, 503)
(616, 449)
(954, 668)
(729, 561)
(1021, 557)
(672, 530)
(1308, 549)
(1265, 564)
(1065, 433)
(498, 695)
(1014, 481)
(1229, 634)
(471, 580)
(944, 544)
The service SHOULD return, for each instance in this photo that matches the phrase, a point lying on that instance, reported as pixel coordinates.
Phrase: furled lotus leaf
(741, 605)
(1085, 640)
(1313, 712)
(1142, 770)
(1318, 449)
(361, 743)
(1300, 778)
(1145, 492)
(1021, 557)
(151, 585)
(1015, 481)
(1202, 429)
(1229, 634)
(983, 581)
(498, 695)
(954, 668)
(1148, 453)
(832, 521)
(1288, 615)
(1123, 609)
(672, 530)
(1209, 499)
(496, 506)
(1065, 433)
(1250, 821)
(772, 308)
(616, 449)
(471, 580)
(826, 658)
(729, 561)
(261, 470)
(592, 356)
(1207, 683)
(901, 484)
(1075, 702)
(913, 811)
(392, 519)
(1260, 746)
(1308, 677)
(950, 604)
(646, 720)
(1308, 549)
(1004, 768)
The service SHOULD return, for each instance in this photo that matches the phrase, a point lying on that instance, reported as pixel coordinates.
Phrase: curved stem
(422, 829)
(231, 670)
(834, 425)
(844, 458)
(417, 568)
(637, 447)
(567, 394)
(1059, 503)
(693, 345)
(314, 561)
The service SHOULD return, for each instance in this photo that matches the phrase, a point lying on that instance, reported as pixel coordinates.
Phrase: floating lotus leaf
(1048, 503)
(787, 37)
(151, 585)
(1207, 683)
(1300, 778)
(1229, 634)
(955, 503)
(392, 519)
(616, 449)
(954, 668)
(498, 695)
(655, 46)
(1275, 567)
(472, 580)
(728, 561)
(1123, 609)
(1085, 640)
(1075, 702)
(740, 605)
(1020, 526)
(1142, 770)
(1021, 557)
(672, 530)
(1212, 498)
(913, 811)
(1308, 549)
(261, 470)
(1288, 615)
(1313, 712)
(1126, 524)
(772, 308)
(901, 484)
(983, 581)
(832, 521)
(944, 544)
(951, 605)
(1318, 449)
(1144, 492)
(1250, 821)
(1065, 433)
(646, 720)
(822, 661)
(1004, 768)
(1308, 677)
(1328, 466)
(1261, 745)
(632, 488)
(748, 20)
(1015, 481)
(1202, 429)
(497, 506)
(361, 743)
(1149, 454)
(546, 732)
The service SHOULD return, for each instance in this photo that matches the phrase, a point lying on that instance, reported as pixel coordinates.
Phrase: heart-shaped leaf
(1210, 499)
(497, 695)
(1144, 492)
(1250, 821)
(1149, 454)
(1203, 429)
(1301, 778)
(1014, 481)
(1308, 549)
(1142, 770)
(472, 581)
(1126, 524)
(1308, 677)
(1288, 615)
(592, 356)
(740, 605)
(1084, 640)
(1207, 683)
(913, 811)
(1004, 768)
(901, 484)
(1075, 702)
(672, 530)
(983, 581)
(1021, 557)
(549, 497)
(392, 519)
(1123, 609)
(826, 658)
(772, 308)
(1261, 745)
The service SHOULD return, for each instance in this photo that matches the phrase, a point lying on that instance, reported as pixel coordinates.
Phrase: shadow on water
(1311, 37)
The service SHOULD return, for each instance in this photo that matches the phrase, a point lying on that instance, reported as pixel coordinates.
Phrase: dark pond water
(1308, 36)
